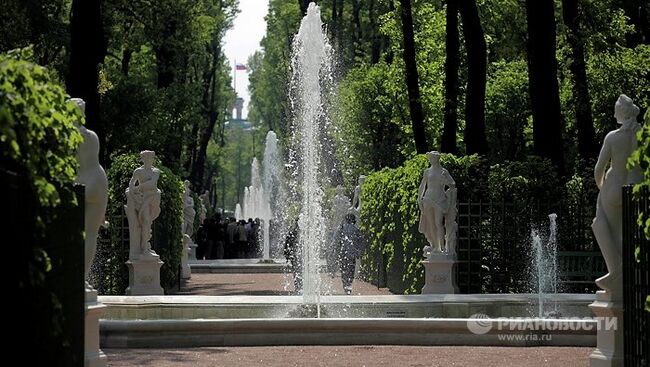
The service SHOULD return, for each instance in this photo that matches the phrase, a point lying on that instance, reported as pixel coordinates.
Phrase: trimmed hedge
(167, 227)
(390, 214)
(38, 142)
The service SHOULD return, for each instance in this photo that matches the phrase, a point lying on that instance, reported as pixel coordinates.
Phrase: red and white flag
(239, 66)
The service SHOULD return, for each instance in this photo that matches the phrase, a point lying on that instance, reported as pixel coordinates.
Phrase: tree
(475, 140)
(587, 147)
(452, 46)
(87, 51)
(543, 84)
(412, 82)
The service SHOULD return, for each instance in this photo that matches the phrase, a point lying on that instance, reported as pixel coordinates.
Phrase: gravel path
(264, 284)
(374, 356)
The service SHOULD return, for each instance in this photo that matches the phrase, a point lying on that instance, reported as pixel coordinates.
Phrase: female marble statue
(143, 205)
(188, 210)
(92, 176)
(436, 195)
(356, 198)
(607, 225)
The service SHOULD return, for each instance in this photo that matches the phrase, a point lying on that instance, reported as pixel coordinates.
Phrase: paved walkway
(340, 356)
(264, 284)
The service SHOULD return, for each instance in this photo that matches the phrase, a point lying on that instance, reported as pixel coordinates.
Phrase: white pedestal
(144, 276)
(93, 356)
(439, 274)
(186, 271)
(193, 247)
(609, 348)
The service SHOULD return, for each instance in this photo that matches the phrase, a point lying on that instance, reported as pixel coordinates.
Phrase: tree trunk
(87, 51)
(587, 147)
(452, 47)
(543, 84)
(126, 61)
(639, 13)
(212, 117)
(375, 46)
(475, 141)
(412, 83)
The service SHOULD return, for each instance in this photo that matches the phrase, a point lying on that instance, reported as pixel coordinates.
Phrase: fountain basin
(367, 331)
(240, 266)
(379, 306)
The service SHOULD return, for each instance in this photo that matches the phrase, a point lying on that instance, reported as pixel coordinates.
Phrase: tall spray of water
(545, 264)
(274, 187)
(311, 74)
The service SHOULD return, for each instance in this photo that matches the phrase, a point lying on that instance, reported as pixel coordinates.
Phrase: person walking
(349, 243)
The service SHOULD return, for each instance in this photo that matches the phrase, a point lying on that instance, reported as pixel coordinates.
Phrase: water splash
(545, 266)
(238, 212)
(311, 74)
(274, 187)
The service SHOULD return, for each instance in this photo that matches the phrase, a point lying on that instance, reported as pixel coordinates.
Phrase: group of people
(228, 238)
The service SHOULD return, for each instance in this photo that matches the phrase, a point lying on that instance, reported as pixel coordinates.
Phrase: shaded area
(264, 284)
(351, 356)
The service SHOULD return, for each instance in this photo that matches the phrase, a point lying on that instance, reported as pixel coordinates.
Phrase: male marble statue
(92, 176)
(437, 203)
(607, 225)
(188, 210)
(143, 206)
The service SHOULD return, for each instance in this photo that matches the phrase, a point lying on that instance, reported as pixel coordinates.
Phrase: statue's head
(340, 190)
(433, 157)
(186, 183)
(362, 179)
(147, 157)
(625, 109)
(80, 103)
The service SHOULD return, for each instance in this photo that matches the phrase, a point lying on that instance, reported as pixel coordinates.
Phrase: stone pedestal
(439, 274)
(193, 247)
(93, 356)
(609, 349)
(144, 276)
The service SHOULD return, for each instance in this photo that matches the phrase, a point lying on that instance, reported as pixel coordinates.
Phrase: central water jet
(311, 73)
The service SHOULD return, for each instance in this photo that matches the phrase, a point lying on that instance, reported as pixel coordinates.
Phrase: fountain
(238, 212)
(315, 317)
(273, 183)
(545, 265)
(311, 73)
(256, 204)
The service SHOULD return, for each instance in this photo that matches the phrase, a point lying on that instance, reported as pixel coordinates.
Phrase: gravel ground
(336, 356)
(264, 284)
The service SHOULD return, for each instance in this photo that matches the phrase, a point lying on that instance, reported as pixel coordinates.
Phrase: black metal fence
(494, 246)
(636, 282)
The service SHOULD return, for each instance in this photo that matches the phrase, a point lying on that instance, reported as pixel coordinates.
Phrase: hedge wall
(390, 214)
(113, 254)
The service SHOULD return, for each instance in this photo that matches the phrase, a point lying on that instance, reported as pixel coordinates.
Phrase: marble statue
(188, 210)
(356, 198)
(92, 176)
(143, 206)
(607, 224)
(203, 198)
(437, 203)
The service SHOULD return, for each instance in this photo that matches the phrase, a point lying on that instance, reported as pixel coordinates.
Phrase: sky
(244, 39)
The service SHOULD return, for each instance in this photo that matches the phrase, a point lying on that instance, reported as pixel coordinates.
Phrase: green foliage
(531, 180)
(507, 110)
(166, 231)
(38, 141)
(390, 217)
(37, 134)
(626, 69)
(641, 158)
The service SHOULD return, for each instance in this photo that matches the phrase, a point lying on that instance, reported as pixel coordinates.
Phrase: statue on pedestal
(143, 206)
(92, 176)
(188, 210)
(356, 199)
(437, 203)
(607, 225)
